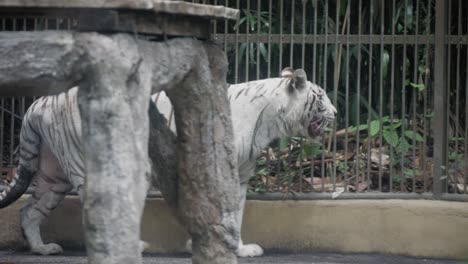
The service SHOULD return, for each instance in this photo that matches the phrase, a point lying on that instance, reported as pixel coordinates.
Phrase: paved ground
(8, 257)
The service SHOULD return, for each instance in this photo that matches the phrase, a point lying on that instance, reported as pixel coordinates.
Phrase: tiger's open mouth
(317, 126)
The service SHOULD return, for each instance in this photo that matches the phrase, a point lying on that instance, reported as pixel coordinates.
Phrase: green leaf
(395, 125)
(374, 127)
(312, 150)
(419, 86)
(361, 127)
(431, 114)
(391, 136)
(414, 136)
(404, 146)
(456, 139)
(263, 171)
(261, 161)
(284, 143)
(412, 172)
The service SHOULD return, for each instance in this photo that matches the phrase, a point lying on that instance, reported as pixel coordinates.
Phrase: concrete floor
(11, 257)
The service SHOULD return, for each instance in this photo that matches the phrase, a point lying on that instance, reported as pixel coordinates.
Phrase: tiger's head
(308, 104)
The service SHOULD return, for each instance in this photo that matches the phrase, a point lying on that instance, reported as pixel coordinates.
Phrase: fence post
(440, 99)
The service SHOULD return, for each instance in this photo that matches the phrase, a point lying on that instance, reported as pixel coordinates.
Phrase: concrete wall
(407, 227)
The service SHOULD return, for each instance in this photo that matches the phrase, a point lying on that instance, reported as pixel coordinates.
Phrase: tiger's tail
(29, 147)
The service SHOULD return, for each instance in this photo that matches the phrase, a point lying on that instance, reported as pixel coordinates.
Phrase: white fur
(261, 112)
(279, 105)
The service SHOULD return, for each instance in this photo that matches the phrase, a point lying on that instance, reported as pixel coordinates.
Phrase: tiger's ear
(299, 79)
(287, 72)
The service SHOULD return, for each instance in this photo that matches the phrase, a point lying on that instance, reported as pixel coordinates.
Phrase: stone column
(115, 74)
(113, 100)
(208, 190)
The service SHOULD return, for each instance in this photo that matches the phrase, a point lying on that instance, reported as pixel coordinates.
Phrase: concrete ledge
(405, 227)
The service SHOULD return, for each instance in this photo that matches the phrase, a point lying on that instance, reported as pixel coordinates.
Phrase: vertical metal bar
(12, 130)
(369, 96)
(288, 167)
(268, 170)
(281, 38)
(23, 98)
(291, 46)
(301, 174)
(236, 43)
(226, 29)
(247, 43)
(358, 99)
(14, 23)
(259, 10)
(215, 24)
(449, 85)
(382, 32)
(440, 97)
(2, 112)
(325, 52)
(304, 4)
(278, 169)
(465, 178)
(392, 91)
(301, 146)
(269, 38)
(69, 23)
(414, 96)
(426, 83)
(12, 115)
(336, 82)
(2, 130)
(403, 101)
(314, 62)
(325, 47)
(457, 92)
(348, 26)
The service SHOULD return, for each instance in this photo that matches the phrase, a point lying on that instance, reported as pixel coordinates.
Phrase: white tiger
(50, 146)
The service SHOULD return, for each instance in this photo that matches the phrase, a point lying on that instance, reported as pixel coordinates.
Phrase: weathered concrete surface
(113, 102)
(54, 58)
(116, 73)
(404, 227)
(208, 185)
(157, 6)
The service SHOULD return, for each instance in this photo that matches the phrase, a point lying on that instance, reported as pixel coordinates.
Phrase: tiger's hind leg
(51, 188)
(32, 215)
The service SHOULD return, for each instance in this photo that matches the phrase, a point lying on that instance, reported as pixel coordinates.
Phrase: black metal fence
(395, 69)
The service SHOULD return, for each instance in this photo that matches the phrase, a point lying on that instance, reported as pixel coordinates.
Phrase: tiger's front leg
(245, 250)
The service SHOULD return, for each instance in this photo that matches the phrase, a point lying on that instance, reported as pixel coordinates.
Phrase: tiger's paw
(143, 246)
(48, 249)
(188, 246)
(249, 250)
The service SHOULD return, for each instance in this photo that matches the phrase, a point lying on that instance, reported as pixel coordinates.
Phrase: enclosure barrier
(397, 71)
